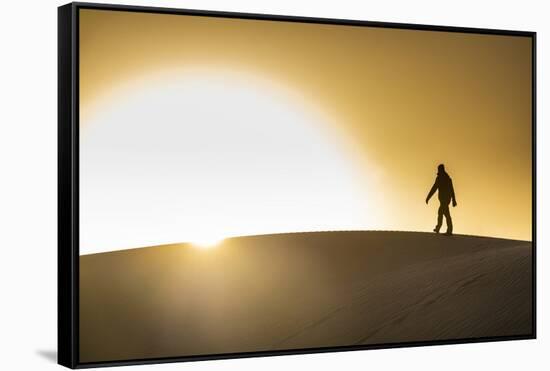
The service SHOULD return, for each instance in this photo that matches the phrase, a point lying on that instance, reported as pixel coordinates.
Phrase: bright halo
(196, 156)
(206, 242)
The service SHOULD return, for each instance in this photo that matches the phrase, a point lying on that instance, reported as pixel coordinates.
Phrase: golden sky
(404, 100)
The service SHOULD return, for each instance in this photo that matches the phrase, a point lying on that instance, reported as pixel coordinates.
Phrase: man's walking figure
(444, 185)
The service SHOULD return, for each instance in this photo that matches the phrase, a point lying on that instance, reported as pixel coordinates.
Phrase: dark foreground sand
(302, 290)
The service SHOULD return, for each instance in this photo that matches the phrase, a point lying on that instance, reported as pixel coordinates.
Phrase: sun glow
(206, 242)
(193, 157)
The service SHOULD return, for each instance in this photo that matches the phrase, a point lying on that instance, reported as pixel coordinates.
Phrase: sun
(206, 242)
(199, 157)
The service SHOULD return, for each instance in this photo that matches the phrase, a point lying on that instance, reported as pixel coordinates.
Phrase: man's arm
(432, 191)
(452, 192)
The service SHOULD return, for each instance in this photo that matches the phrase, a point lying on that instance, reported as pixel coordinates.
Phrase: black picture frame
(68, 179)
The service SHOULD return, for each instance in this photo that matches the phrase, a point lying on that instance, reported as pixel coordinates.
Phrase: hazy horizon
(279, 234)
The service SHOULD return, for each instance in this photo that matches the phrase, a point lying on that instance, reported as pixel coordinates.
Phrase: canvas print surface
(254, 185)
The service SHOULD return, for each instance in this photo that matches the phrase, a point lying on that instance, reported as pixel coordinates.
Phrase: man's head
(441, 168)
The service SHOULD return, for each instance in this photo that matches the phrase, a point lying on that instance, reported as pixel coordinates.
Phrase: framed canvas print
(236, 185)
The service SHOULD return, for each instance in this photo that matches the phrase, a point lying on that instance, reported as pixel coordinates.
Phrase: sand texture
(302, 290)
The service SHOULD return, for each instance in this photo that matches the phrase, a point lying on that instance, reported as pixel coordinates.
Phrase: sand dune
(302, 290)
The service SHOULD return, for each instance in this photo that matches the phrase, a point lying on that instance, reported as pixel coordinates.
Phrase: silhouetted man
(444, 185)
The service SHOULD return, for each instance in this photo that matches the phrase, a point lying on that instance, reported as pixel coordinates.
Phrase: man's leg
(448, 219)
(439, 219)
